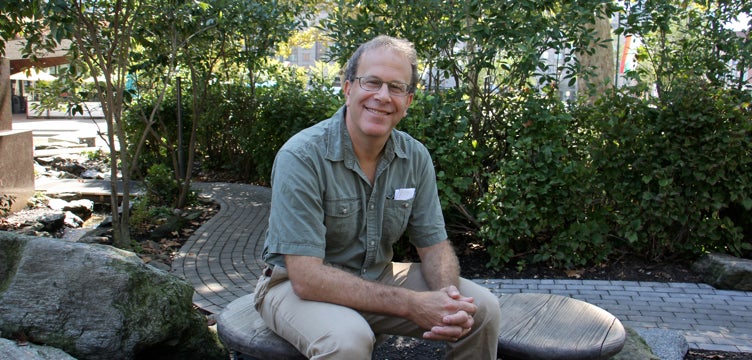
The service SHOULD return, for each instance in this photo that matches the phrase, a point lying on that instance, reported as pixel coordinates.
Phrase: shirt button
(371, 243)
(371, 207)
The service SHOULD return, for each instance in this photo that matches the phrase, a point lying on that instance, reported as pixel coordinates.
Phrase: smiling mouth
(378, 112)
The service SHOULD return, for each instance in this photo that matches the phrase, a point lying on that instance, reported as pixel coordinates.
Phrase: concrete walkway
(222, 261)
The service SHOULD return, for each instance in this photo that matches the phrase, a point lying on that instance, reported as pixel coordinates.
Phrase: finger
(467, 307)
(461, 318)
(446, 333)
(428, 335)
(452, 291)
(455, 294)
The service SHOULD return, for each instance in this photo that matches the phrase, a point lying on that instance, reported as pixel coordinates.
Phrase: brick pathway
(222, 261)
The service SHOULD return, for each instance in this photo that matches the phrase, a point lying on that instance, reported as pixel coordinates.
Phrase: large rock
(725, 271)
(97, 302)
(10, 350)
(666, 344)
(83, 208)
(635, 348)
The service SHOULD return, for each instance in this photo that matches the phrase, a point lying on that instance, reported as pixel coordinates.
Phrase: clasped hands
(446, 314)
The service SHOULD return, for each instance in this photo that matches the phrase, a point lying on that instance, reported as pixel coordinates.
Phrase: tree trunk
(601, 62)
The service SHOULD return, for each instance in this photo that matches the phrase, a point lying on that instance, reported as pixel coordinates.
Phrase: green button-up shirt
(324, 206)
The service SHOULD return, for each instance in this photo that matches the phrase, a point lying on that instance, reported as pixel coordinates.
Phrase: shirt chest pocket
(342, 219)
(396, 218)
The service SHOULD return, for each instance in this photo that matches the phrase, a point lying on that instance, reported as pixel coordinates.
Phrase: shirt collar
(339, 144)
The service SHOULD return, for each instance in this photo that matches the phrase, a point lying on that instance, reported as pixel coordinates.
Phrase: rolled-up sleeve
(426, 226)
(296, 225)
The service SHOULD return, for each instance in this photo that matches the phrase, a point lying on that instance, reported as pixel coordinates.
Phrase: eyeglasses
(373, 84)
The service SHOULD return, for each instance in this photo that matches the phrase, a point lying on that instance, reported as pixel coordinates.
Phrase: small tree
(100, 31)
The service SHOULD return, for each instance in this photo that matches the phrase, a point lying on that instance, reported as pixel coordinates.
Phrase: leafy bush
(285, 109)
(161, 194)
(157, 146)
(161, 186)
(677, 170)
(662, 178)
(542, 203)
(440, 122)
(246, 129)
(144, 215)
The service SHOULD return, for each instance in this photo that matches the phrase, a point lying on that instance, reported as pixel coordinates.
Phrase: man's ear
(346, 90)
(408, 101)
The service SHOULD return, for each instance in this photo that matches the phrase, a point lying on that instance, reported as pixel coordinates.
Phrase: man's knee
(343, 343)
(488, 312)
(491, 313)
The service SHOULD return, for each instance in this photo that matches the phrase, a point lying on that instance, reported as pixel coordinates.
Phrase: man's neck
(368, 150)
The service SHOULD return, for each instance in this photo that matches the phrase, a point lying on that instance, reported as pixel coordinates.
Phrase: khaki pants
(327, 331)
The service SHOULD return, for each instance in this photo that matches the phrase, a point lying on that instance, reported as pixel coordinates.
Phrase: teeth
(377, 111)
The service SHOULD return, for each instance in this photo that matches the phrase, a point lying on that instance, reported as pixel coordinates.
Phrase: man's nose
(383, 92)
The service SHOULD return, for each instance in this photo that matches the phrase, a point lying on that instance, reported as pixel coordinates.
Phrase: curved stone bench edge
(241, 329)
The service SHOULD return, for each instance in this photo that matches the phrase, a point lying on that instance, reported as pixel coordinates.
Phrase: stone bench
(534, 326)
(545, 326)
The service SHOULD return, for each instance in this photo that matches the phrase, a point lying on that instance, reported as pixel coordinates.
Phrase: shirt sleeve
(426, 226)
(296, 219)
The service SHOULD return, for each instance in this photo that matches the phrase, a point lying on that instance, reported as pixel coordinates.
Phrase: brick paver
(222, 258)
(222, 261)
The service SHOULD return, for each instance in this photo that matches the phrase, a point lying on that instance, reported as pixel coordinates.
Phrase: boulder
(635, 348)
(83, 208)
(70, 167)
(72, 220)
(52, 222)
(97, 302)
(173, 223)
(91, 174)
(666, 344)
(725, 271)
(11, 350)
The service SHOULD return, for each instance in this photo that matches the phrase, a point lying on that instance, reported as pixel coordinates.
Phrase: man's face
(375, 114)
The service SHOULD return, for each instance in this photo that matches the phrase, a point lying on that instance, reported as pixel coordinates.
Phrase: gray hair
(401, 46)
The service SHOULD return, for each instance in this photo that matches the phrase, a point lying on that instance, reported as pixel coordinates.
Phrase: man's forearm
(440, 265)
(313, 280)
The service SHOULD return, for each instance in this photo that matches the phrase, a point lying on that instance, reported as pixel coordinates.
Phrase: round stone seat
(241, 329)
(545, 326)
(534, 326)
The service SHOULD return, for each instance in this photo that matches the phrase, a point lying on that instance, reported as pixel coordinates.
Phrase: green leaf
(747, 203)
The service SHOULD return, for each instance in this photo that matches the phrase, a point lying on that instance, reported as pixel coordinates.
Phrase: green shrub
(542, 203)
(677, 171)
(284, 109)
(244, 131)
(140, 219)
(440, 122)
(157, 204)
(144, 215)
(157, 147)
(161, 186)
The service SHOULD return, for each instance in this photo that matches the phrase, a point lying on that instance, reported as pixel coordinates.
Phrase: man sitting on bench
(343, 192)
